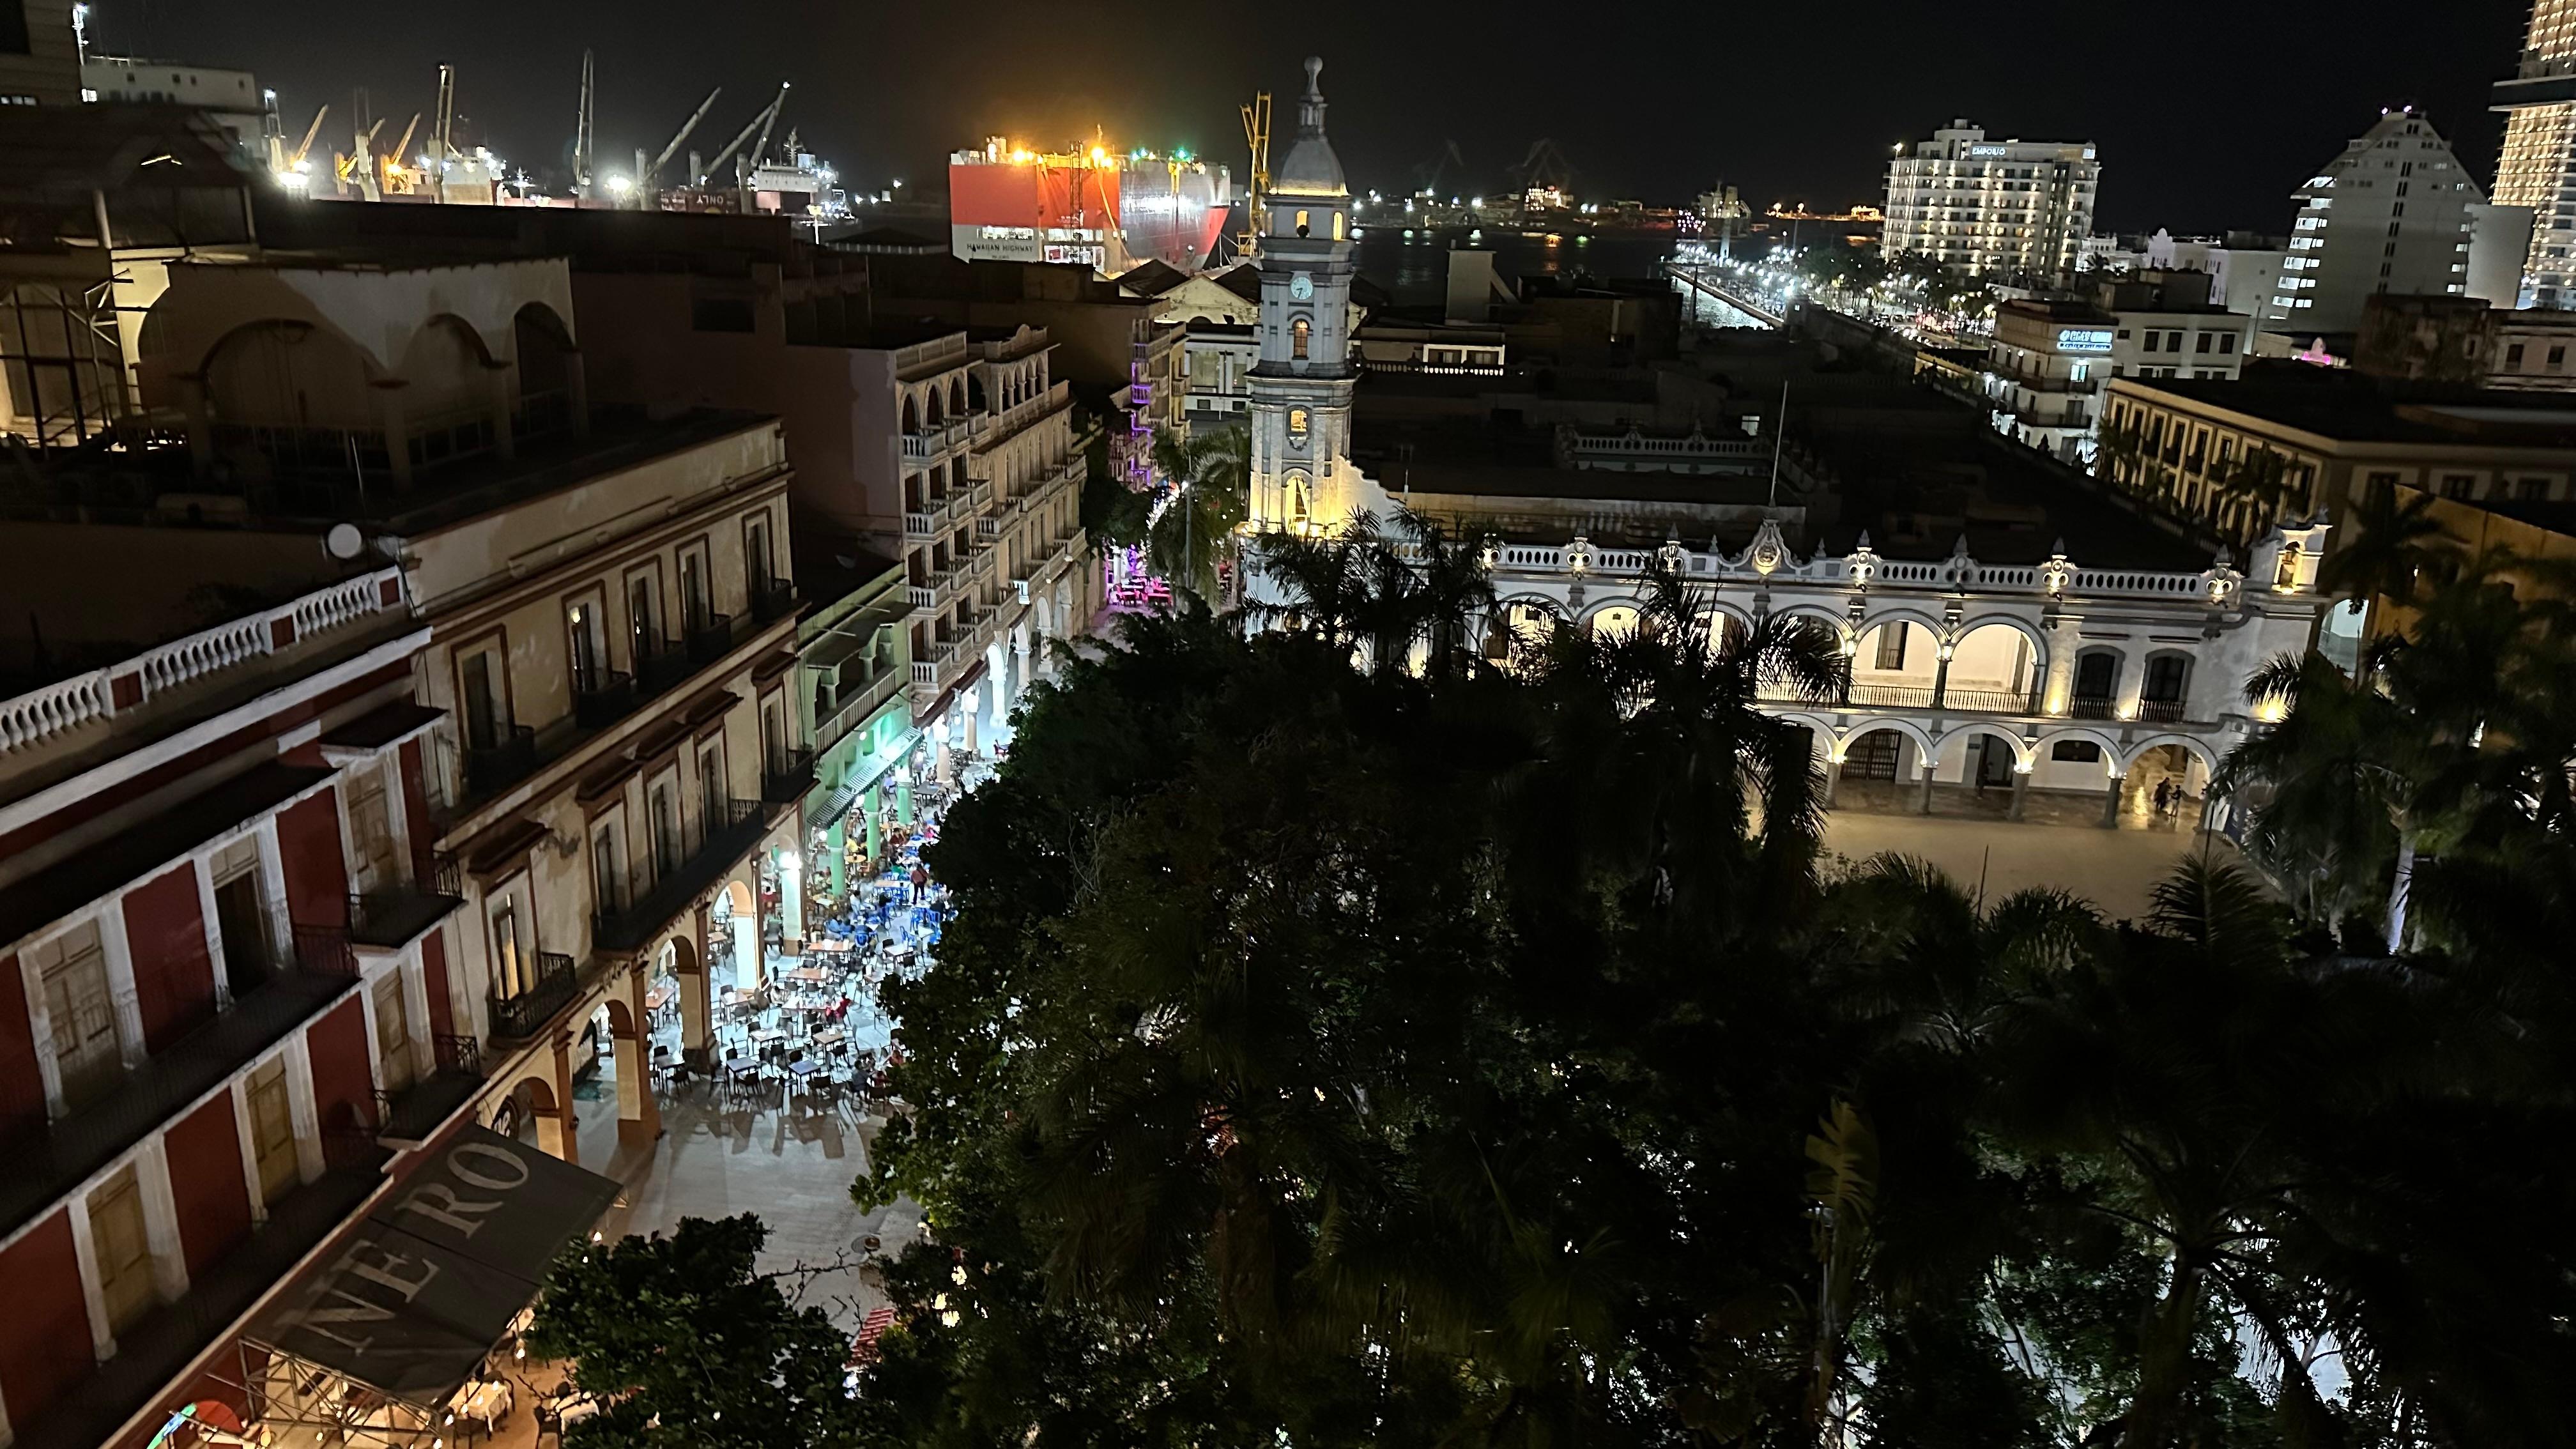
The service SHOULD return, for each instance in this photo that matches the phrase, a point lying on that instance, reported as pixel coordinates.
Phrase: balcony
(2160, 711)
(522, 1015)
(771, 598)
(415, 1114)
(602, 697)
(710, 638)
(510, 757)
(1989, 701)
(394, 915)
(45, 1165)
(2091, 707)
(171, 1336)
(630, 927)
(659, 664)
(1889, 696)
(785, 779)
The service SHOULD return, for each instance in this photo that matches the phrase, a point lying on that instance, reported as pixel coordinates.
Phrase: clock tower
(1301, 382)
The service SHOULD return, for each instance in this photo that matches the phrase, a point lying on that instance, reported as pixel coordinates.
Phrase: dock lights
(619, 186)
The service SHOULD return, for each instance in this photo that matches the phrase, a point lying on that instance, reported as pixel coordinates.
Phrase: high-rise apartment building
(2389, 215)
(1991, 208)
(2538, 167)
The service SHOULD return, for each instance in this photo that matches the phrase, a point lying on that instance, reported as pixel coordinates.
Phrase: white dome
(1311, 168)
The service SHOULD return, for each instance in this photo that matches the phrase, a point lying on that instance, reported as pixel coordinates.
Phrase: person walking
(2164, 798)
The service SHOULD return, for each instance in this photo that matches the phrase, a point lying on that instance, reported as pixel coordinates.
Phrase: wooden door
(124, 1250)
(272, 1133)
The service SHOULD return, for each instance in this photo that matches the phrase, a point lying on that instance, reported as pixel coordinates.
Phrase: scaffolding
(63, 379)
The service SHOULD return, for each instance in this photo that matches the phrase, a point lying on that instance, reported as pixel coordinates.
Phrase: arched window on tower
(1301, 223)
(1337, 226)
(1297, 335)
(1297, 422)
(1295, 504)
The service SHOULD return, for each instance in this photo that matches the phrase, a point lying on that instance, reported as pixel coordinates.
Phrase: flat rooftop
(157, 486)
(2349, 407)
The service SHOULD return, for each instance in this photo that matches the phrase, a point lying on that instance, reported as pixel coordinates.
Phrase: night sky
(2207, 114)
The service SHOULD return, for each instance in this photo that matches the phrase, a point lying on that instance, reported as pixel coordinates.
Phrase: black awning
(411, 1302)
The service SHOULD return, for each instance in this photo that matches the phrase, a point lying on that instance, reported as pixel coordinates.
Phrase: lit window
(1297, 334)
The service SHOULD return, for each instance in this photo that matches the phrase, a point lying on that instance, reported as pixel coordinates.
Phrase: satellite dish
(344, 542)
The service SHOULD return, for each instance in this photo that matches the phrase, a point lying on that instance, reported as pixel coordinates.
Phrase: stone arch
(1922, 738)
(2195, 747)
(277, 369)
(541, 347)
(975, 399)
(1613, 616)
(697, 990)
(2110, 747)
(1719, 614)
(533, 1099)
(1905, 615)
(956, 395)
(1522, 617)
(1964, 734)
(445, 362)
(743, 905)
(932, 411)
(1973, 671)
(911, 415)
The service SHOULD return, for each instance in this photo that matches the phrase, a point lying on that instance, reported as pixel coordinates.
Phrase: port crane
(1256, 135)
(762, 121)
(583, 137)
(644, 173)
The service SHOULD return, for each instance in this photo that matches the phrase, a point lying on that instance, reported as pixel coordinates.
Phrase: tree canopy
(1352, 1035)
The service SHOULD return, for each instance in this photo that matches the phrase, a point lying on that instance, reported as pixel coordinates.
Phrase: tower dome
(1311, 168)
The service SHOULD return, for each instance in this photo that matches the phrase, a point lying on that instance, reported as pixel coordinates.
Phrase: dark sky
(2207, 114)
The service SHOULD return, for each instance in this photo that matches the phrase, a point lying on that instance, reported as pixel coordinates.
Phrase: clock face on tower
(1301, 286)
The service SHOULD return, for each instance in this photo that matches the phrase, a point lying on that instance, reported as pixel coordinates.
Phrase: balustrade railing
(56, 709)
(550, 986)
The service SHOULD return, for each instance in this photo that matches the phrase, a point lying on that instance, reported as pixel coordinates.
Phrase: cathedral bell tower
(1301, 383)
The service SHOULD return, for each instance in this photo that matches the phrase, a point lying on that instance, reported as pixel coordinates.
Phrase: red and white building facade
(225, 971)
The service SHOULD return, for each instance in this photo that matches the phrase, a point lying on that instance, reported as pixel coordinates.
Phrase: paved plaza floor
(790, 1161)
(2058, 842)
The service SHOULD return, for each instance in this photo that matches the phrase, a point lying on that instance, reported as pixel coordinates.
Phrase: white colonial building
(2051, 676)
(2039, 673)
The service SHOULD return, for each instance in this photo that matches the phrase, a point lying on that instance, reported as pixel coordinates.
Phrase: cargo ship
(1109, 210)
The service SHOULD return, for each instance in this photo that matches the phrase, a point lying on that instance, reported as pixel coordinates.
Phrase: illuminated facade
(2540, 148)
(1301, 383)
(1991, 208)
(2391, 214)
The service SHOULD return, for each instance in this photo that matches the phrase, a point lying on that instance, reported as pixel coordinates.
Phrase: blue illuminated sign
(2083, 339)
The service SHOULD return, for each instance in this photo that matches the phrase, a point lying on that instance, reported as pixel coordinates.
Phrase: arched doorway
(1515, 627)
(2165, 787)
(533, 1112)
(544, 351)
(1894, 663)
(737, 920)
(1612, 621)
(683, 961)
(1995, 666)
(628, 1063)
(1988, 767)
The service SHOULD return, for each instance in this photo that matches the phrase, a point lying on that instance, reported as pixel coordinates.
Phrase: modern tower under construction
(2539, 161)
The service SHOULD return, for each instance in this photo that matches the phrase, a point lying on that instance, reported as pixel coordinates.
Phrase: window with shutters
(393, 1032)
(1891, 646)
(371, 827)
(241, 917)
(272, 1133)
(509, 960)
(87, 1051)
(124, 1250)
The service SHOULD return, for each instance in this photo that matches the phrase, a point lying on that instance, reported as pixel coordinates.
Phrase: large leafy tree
(688, 1345)
(1343, 1042)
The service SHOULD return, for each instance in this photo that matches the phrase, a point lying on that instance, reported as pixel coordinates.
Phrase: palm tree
(2338, 778)
(1190, 532)
(2389, 549)
(1403, 604)
(1691, 768)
